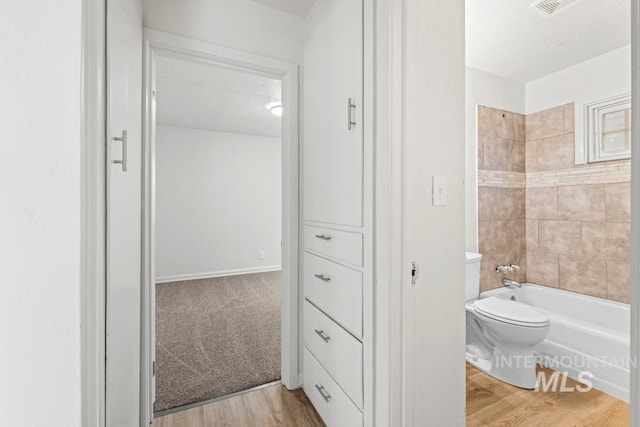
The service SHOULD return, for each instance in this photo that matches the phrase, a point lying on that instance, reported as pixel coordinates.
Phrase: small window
(608, 124)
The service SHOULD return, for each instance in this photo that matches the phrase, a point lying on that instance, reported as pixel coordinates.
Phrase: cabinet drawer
(343, 245)
(327, 397)
(336, 290)
(336, 350)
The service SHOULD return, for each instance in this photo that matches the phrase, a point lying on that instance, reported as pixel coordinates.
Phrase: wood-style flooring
(267, 407)
(491, 402)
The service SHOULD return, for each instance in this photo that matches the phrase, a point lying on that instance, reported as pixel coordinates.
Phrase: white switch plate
(439, 190)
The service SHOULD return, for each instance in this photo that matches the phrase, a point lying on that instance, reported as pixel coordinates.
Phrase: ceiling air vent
(552, 7)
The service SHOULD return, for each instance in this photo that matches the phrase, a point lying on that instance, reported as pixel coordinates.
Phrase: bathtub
(587, 334)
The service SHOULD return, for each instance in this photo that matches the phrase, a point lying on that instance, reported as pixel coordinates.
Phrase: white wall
(598, 78)
(486, 89)
(274, 33)
(40, 47)
(434, 144)
(218, 203)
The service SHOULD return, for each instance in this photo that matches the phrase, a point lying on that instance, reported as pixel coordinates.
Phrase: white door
(124, 123)
(333, 105)
(434, 314)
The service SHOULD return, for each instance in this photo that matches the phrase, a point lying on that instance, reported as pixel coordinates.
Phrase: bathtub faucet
(511, 283)
(505, 269)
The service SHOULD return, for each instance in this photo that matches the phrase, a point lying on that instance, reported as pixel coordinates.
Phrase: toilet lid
(510, 312)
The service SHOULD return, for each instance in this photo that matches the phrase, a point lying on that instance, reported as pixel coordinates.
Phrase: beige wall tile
(496, 123)
(581, 202)
(560, 237)
(501, 237)
(489, 279)
(531, 156)
(618, 281)
(587, 276)
(557, 152)
(542, 268)
(481, 143)
(504, 155)
(618, 243)
(509, 203)
(618, 202)
(486, 201)
(531, 232)
(542, 203)
(569, 117)
(545, 123)
(520, 127)
(594, 236)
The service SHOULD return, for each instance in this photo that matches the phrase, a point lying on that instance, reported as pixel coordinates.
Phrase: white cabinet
(337, 211)
(333, 405)
(332, 147)
(336, 350)
(336, 290)
(338, 244)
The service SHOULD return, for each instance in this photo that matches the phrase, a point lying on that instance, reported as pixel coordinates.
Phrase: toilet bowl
(502, 334)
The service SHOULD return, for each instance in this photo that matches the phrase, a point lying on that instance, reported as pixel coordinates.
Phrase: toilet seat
(511, 312)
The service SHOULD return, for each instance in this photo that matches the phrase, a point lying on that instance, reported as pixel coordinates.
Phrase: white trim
(592, 128)
(93, 205)
(166, 44)
(635, 215)
(222, 273)
(387, 213)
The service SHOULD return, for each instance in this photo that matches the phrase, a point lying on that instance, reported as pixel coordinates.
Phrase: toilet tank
(472, 275)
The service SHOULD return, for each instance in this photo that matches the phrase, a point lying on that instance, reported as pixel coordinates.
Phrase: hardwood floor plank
(491, 402)
(268, 407)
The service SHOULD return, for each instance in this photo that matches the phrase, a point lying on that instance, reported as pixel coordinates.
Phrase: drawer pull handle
(321, 334)
(322, 277)
(326, 396)
(323, 237)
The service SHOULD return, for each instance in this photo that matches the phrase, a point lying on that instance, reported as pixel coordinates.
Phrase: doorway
(538, 179)
(220, 223)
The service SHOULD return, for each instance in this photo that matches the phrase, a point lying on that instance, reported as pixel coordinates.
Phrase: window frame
(594, 113)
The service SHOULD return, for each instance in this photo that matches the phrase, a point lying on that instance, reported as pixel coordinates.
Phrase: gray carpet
(215, 337)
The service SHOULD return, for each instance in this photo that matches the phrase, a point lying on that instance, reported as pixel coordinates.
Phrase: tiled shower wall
(501, 193)
(576, 228)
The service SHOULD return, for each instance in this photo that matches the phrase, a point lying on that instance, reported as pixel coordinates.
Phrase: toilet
(501, 334)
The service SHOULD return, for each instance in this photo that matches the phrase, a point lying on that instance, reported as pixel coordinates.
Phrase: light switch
(439, 190)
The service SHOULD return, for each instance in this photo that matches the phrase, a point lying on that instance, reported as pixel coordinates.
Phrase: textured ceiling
(204, 96)
(297, 7)
(506, 38)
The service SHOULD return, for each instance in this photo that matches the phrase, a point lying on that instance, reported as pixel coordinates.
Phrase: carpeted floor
(215, 337)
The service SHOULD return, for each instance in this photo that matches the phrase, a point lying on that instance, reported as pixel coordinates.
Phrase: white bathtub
(587, 334)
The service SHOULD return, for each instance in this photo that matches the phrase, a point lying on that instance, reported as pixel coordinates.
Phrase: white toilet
(501, 334)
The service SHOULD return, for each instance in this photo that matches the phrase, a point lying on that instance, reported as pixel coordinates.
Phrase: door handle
(350, 109)
(322, 277)
(321, 334)
(123, 161)
(326, 396)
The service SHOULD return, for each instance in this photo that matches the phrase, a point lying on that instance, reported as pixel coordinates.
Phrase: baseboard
(212, 274)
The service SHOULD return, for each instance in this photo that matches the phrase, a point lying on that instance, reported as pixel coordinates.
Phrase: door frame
(634, 383)
(157, 43)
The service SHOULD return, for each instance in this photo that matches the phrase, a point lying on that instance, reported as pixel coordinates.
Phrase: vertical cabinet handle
(123, 161)
(350, 109)
(326, 396)
(321, 334)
